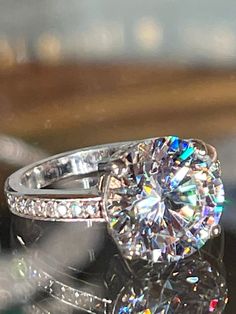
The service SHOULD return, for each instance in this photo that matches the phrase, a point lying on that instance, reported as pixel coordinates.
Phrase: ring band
(161, 197)
(27, 199)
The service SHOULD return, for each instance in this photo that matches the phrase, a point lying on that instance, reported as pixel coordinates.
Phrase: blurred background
(78, 73)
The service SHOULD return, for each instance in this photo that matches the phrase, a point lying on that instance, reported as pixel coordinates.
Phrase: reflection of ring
(65, 293)
(192, 285)
(188, 286)
(162, 198)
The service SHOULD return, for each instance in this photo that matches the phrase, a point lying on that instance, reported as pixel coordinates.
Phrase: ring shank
(34, 179)
(29, 195)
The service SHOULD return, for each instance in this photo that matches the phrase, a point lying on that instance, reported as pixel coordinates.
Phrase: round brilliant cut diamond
(38, 207)
(50, 208)
(61, 209)
(20, 205)
(165, 199)
(75, 209)
(91, 210)
(28, 204)
(11, 200)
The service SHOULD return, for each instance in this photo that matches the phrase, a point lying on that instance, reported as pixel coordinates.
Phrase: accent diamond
(62, 209)
(51, 212)
(76, 210)
(162, 198)
(52, 208)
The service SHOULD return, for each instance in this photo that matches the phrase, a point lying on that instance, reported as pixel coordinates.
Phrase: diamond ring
(162, 198)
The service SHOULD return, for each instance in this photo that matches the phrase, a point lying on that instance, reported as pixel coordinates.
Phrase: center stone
(163, 198)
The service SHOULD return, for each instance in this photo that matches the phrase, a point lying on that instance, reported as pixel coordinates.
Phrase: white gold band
(28, 194)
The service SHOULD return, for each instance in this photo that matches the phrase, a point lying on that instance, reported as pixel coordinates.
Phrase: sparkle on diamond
(163, 198)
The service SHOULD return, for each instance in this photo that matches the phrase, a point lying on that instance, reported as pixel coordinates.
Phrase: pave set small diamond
(67, 294)
(48, 308)
(34, 308)
(54, 209)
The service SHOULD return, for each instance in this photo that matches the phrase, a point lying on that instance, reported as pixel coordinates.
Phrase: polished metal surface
(28, 187)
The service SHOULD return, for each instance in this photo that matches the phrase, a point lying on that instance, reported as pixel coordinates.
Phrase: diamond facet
(166, 199)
